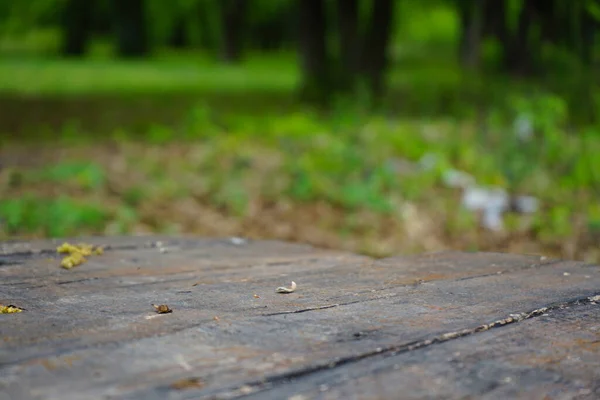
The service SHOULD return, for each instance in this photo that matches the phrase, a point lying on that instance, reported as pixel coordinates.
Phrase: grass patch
(30, 216)
(193, 74)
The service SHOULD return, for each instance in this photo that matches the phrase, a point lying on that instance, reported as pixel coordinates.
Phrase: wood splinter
(283, 289)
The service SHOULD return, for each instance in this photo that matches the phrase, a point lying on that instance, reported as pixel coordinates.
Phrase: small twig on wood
(283, 289)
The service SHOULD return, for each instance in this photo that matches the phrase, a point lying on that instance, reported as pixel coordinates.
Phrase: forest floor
(184, 146)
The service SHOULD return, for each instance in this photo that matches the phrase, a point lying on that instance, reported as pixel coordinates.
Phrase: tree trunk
(494, 19)
(76, 20)
(495, 26)
(472, 18)
(267, 35)
(589, 26)
(375, 51)
(273, 31)
(313, 50)
(207, 23)
(517, 52)
(131, 29)
(179, 38)
(349, 41)
(232, 27)
(555, 25)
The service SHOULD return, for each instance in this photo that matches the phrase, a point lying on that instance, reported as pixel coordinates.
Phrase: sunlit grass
(31, 76)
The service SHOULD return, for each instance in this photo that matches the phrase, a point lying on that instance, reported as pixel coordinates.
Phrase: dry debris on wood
(283, 289)
(9, 309)
(188, 383)
(77, 253)
(162, 308)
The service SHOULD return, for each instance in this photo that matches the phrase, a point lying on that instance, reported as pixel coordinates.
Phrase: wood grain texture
(444, 325)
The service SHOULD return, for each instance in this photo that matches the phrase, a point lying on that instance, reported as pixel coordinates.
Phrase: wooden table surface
(445, 325)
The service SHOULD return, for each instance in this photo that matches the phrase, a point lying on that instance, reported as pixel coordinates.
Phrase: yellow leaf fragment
(9, 309)
(77, 253)
(72, 260)
(64, 248)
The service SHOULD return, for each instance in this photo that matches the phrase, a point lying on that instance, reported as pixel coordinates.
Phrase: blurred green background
(377, 126)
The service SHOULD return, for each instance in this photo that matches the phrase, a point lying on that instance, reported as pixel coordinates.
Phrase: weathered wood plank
(91, 332)
(553, 356)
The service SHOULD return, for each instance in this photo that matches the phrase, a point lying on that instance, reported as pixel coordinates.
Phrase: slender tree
(349, 42)
(588, 30)
(76, 22)
(315, 61)
(376, 44)
(472, 14)
(131, 28)
(178, 37)
(232, 28)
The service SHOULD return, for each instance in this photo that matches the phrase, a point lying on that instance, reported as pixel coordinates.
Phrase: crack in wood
(419, 282)
(508, 271)
(253, 387)
(93, 278)
(22, 285)
(9, 260)
(302, 310)
(392, 295)
(97, 278)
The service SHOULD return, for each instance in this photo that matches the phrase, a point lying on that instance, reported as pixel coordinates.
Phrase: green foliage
(231, 196)
(191, 75)
(57, 217)
(353, 161)
(18, 17)
(441, 27)
(125, 220)
(85, 175)
(133, 196)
